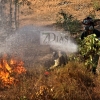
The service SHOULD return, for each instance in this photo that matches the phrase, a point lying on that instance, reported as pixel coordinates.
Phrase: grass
(71, 82)
(96, 4)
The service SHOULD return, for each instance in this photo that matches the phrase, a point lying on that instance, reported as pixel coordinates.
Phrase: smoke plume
(26, 43)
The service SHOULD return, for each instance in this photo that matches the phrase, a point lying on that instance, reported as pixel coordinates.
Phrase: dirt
(44, 12)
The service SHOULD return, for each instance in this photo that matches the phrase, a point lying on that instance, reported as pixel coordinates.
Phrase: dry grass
(44, 11)
(71, 82)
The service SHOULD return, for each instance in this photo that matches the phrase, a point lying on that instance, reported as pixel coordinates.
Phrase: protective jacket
(86, 33)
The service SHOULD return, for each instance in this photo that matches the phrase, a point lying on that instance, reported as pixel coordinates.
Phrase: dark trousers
(95, 63)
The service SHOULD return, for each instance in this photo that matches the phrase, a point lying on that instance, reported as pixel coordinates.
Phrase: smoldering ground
(26, 44)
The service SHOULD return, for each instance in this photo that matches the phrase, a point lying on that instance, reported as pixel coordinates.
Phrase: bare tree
(15, 13)
(10, 16)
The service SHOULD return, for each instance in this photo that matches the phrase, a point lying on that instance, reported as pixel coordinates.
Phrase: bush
(89, 49)
(96, 4)
(68, 22)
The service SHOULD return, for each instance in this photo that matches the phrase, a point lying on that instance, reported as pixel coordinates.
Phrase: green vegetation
(89, 49)
(68, 22)
(96, 4)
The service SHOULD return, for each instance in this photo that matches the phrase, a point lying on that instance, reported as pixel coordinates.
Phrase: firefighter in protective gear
(89, 25)
(60, 59)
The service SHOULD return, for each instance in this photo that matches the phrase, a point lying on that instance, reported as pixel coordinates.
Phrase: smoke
(60, 41)
(68, 47)
(20, 41)
(26, 43)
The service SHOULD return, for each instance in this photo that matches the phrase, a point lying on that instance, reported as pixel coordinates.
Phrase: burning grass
(71, 82)
(10, 68)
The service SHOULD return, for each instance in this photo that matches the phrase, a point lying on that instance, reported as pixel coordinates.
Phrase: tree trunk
(18, 17)
(10, 17)
(15, 14)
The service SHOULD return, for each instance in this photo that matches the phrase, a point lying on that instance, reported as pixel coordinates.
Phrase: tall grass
(71, 82)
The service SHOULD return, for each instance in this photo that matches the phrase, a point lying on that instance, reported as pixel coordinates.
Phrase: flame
(19, 68)
(9, 68)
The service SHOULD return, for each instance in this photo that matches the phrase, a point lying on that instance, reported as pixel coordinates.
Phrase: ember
(9, 69)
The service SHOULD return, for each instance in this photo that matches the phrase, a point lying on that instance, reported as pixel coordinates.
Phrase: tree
(10, 16)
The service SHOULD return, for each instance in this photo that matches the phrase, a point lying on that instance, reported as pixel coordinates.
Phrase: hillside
(24, 60)
(45, 12)
(39, 16)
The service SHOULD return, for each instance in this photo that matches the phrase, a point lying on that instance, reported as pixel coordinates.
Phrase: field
(69, 82)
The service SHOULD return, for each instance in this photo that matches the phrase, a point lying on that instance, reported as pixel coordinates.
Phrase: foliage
(68, 22)
(89, 48)
(25, 2)
(96, 4)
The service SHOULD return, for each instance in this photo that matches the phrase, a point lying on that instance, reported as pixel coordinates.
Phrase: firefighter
(89, 25)
(60, 59)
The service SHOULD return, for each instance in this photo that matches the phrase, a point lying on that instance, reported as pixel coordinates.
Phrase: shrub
(68, 22)
(90, 50)
(96, 4)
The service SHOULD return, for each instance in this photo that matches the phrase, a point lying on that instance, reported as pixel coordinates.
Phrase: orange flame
(9, 68)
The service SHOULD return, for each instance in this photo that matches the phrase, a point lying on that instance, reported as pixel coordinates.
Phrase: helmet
(88, 21)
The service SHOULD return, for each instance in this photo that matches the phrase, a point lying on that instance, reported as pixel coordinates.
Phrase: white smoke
(59, 41)
(20, 41)
(68, 47)
(28, 39)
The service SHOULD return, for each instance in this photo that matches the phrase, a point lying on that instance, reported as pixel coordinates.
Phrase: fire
(9, 69)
